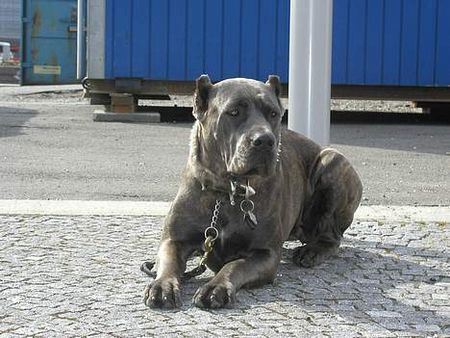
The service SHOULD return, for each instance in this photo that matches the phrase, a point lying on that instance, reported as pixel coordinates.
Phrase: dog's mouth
(250, 163)
(259, 170)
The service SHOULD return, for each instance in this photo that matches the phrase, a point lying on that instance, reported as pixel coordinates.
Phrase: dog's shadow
(363, 278)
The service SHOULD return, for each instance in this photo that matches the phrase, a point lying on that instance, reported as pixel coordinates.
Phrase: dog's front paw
(215, 295)
(163, 293)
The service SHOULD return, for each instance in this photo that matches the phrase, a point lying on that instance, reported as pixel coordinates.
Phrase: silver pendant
(250, 219)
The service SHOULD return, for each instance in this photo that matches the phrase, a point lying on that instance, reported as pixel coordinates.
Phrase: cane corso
(264, 185)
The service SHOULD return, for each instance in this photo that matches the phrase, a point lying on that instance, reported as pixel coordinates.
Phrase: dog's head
(241, 120)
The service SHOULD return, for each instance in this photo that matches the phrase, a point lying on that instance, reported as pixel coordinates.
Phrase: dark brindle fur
(311, 194)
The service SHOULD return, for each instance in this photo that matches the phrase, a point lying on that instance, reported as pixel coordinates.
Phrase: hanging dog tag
(250, 219)
(247, 206)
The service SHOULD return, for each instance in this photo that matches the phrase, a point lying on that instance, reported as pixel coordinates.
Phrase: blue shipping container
(179, 39)
(375, 42)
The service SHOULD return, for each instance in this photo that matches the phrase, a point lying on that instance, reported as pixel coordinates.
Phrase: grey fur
(311, 194)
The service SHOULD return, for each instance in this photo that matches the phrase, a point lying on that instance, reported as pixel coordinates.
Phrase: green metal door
(49, 42)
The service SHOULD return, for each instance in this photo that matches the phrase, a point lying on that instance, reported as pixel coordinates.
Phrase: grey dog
(292, 187)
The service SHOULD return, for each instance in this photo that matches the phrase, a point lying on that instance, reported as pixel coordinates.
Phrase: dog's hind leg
(335, 195)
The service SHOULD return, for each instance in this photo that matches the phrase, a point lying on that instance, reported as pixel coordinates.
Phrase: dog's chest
(235, 234)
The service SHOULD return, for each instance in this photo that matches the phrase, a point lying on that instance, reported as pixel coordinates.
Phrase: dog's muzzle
(256, 156)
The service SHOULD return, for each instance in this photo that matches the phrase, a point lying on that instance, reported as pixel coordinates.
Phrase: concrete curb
(101, 116)
(73, 208)
(378, 213)
(16, 89)
(397, 213)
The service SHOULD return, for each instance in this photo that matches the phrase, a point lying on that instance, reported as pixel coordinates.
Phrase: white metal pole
(310, 68)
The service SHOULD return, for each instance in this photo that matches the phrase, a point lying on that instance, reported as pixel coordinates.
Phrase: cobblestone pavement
(79, 276)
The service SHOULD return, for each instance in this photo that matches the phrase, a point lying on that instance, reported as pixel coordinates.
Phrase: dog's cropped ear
(274, 82)
(201, 96)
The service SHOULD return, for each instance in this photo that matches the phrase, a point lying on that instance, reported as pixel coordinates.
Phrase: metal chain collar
(211, 234)
(247, 206)
(279, 149)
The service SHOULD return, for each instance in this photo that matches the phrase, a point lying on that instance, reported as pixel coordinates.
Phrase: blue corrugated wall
(375, 42)
(391, 42)
(180, 39)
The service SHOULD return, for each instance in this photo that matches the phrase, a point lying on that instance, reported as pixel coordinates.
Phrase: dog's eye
(233, 112)
(273, 113)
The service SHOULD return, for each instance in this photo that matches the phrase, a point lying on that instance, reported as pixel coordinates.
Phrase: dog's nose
(266, 139)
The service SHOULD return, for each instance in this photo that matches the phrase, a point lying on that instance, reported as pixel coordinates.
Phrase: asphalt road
(51, 149)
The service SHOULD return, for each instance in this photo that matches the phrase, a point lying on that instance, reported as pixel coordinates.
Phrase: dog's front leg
(257, 269)
(164, 291)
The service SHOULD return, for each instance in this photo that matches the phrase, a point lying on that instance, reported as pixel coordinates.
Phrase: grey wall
(10, 19)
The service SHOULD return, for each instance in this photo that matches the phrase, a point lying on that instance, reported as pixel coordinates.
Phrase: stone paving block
(384, 314)
(392, 323)
(72, 276)
(427, 328)
(374, 330)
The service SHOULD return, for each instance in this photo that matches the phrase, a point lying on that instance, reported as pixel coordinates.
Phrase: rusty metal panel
(49, 41)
